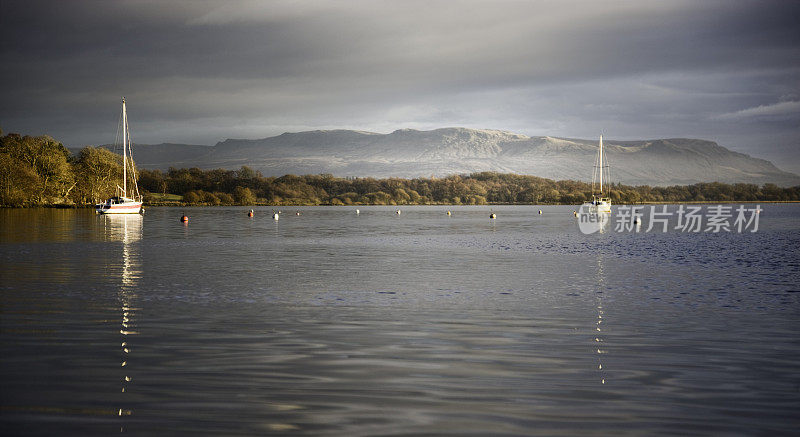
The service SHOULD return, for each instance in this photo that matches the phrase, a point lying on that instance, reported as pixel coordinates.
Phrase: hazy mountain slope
(293, 145)
(181, 155)
(441, 145)
(653, 162)
(157, 155)
(440, 152)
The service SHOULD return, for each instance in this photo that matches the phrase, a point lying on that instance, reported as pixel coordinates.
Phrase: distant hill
(154, 155)
(411, 153)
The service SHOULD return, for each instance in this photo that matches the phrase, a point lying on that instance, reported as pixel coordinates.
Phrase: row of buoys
(276, 215)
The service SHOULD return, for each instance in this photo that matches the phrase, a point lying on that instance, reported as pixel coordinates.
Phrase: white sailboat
(599, 204)
(125, 201)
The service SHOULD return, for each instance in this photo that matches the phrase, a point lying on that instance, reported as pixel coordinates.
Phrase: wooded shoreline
(40, 171)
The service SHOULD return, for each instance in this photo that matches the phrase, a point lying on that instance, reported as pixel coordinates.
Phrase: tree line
(38, 171)
(246, 186)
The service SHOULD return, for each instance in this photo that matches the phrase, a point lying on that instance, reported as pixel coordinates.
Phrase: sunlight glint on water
(332, 323)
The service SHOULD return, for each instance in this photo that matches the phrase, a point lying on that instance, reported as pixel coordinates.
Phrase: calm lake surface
(332, 323)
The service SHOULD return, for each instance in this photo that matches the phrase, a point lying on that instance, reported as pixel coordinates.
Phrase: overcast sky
(201, 71)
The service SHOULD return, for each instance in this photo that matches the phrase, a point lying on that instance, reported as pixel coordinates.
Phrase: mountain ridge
(410, 153)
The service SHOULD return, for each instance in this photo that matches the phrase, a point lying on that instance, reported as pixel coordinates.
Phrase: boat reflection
(590, 221)
(127, 229)
(599, 339)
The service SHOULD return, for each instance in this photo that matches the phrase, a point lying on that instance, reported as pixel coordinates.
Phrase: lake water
(332, 323)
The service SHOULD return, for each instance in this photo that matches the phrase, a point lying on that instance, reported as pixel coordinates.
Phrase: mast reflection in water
(599, 339)
(126, 228)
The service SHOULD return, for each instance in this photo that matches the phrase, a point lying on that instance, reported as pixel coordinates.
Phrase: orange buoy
(250, 214)
(184, 219)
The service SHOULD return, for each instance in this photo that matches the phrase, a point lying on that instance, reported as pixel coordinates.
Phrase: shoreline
(187, 205)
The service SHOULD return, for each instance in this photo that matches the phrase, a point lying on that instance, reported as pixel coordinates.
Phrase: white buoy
(398, 212)
(275, 216)
(492, 216)
(358, 212)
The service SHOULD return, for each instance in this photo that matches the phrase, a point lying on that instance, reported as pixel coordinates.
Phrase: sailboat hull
(119, 208)
(132, 208)
(598, 207)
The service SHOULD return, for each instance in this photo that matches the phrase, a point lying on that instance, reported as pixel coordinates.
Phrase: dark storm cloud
(202, 71)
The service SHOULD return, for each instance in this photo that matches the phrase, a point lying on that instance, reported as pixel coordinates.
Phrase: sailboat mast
(601, 164)
(125, 150)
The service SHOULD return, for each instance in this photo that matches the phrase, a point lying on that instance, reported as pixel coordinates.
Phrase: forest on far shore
(40, 171)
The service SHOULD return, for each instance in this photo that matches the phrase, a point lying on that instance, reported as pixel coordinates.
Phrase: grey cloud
(200, 71)
(777, 110)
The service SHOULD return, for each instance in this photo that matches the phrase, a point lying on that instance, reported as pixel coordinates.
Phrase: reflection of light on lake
(600, 284)
(126, 228)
